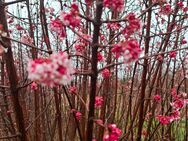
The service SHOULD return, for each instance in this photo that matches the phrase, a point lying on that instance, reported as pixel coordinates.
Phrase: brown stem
(97, 24)
(144, 74)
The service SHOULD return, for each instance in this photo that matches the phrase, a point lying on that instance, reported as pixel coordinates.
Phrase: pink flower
(78, 115)
(100, 57)
(74, 8)
(34, 86)
(106, 73)
(180, 4)
(185, 9)
(157, 98)
(163, 119)
(172, 54)
(55, 70)
(116, 5)
(102, 37)
(98, 101)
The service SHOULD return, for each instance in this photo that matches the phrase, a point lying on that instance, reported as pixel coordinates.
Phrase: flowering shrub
(104, 39)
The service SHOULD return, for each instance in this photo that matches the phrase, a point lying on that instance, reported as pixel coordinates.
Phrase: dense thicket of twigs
(30, 111)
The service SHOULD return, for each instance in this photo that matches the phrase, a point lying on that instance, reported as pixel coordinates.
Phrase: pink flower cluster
(133, 25)
(34, 86)
(116, 5)
(166, 9)
(81, 43)
(179, 101)
(114, 133)
(77, 114)
(129, 49)
(65, 19)
(163, 119)
(100, 57)
(175, 115)
(106, 73)
(172, 54)
(180, 4)
(157, 97)
(55, 70)
(57, 27)
(177, 104)
(71, 18)
(98, 101)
